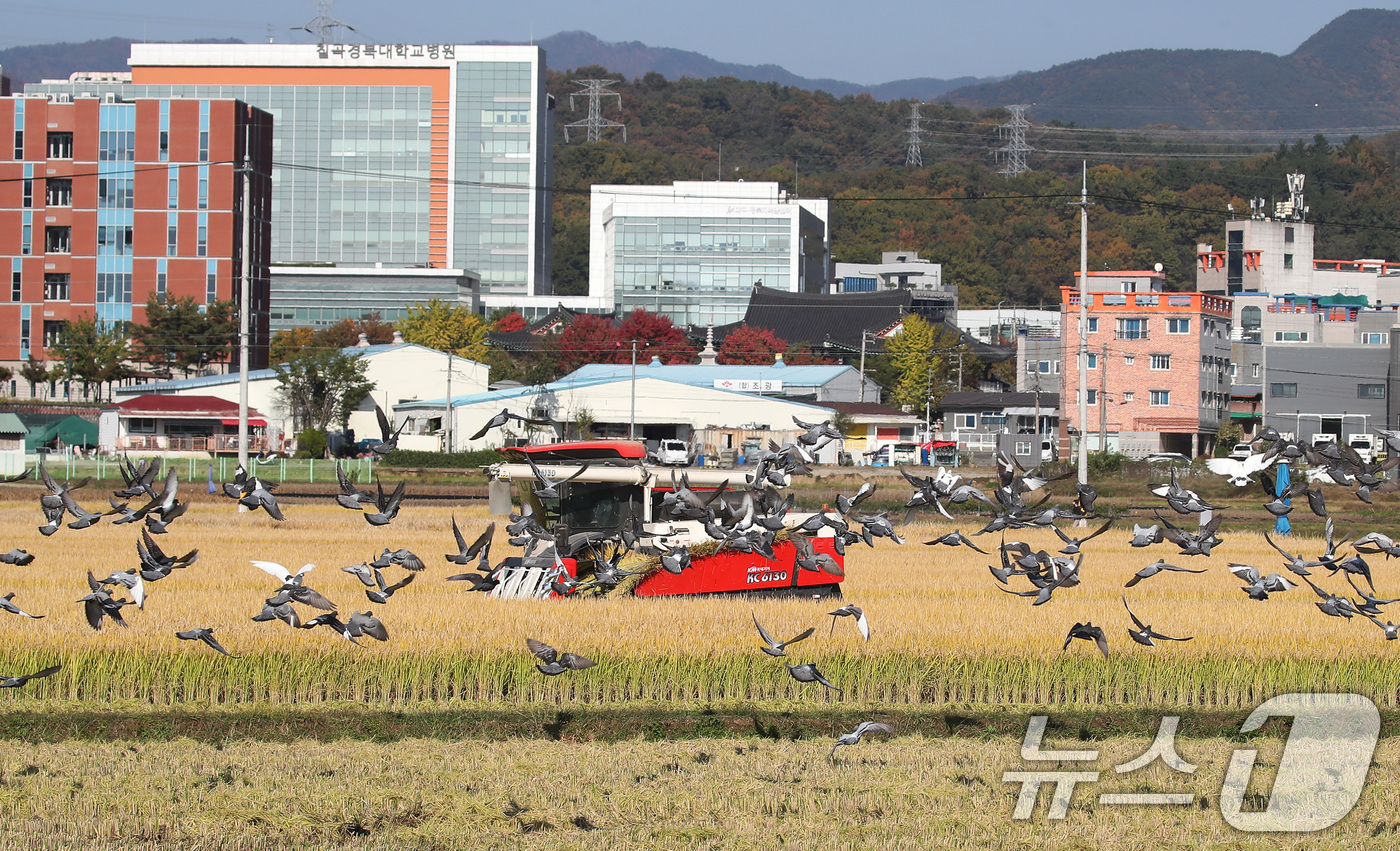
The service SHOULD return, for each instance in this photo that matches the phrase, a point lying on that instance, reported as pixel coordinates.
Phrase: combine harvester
(599, 504)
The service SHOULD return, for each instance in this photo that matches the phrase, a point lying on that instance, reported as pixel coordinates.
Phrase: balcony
(216, 444)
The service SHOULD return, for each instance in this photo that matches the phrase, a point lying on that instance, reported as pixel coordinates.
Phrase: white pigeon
(1238, 471)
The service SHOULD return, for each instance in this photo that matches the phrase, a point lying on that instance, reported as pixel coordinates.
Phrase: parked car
(1169, 459)
(672, 453)
(1241, 451)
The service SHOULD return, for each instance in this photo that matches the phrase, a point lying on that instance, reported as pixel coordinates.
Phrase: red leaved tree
(655, 334)
(512, 321)
(590, 339)
(747, 345)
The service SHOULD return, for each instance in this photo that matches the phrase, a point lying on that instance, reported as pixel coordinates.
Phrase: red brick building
(104, 203)
(1159, 366)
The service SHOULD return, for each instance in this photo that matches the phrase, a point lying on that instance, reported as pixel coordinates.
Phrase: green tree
(180, 335)
(91, 352)
(447, 328)
(36, 372)
(321, 387)
(911, 359)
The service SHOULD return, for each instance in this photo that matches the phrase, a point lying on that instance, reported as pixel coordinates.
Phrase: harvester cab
(612, 492)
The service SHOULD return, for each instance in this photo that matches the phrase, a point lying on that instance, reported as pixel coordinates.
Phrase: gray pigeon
(207, 636)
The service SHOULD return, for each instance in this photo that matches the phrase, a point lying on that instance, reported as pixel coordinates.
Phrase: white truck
(1365, 446)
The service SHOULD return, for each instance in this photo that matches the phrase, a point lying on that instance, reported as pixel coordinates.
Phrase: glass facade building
(401, 155)
(695, 251)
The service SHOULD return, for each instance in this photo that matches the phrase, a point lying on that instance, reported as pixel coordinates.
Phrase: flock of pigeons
(751, 518)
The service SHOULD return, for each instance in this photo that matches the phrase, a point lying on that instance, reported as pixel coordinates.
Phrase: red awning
(251, 422)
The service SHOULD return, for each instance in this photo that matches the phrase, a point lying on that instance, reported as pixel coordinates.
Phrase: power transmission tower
(595, 91)
(323, 24)
(1014, 152)
(915, 134)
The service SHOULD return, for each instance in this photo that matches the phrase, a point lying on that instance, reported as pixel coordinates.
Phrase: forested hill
(1346, 75)
(1157, 193)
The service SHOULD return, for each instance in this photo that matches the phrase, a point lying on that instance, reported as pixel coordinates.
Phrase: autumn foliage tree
(657, 335)
(749, 345)
(588, 339)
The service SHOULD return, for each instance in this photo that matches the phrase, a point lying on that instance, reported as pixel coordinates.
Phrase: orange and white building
(396, 155)
(1158, 366)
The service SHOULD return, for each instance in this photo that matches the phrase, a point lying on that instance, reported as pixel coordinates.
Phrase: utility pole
(1083, 205)
(914, 134)
(632, 420)
(1015, 151)
(447, 422)
(960, 381)
(595, 123)
(244, 301)
(862, 364)
(1103, 399)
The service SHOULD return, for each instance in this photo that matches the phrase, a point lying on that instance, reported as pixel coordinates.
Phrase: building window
(24, 327)
(1159, 398)
(1127, 396)
(58, 192)
(1093, 361)
(164, 144)
(1288, 261)
(57, 240)
(60, 146)
(141, 425)
(28, 192)
(19, 144)
(1023, 447)
(160, 277)
(1234, 371)
(211, 288)
(115, 193)
(1093, 397)
(993, 418)
(1132, 329)
(52, 332)
(1129, 360)
(964, 422)
(1044, 367)
(1283, 391)
(1254, 370)
(204, 187)
(1093, 325)
(26, 236)
(1290, 336)
(56, 286)
(204, 146)
(1161, 362)
(16, 291)
(1370, 391)
(172, 234)
(1376, 338)
(1178, 326)
(1288, 234)
(173, 199)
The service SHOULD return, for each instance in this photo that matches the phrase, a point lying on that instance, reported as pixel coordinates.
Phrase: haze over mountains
(1344, 78)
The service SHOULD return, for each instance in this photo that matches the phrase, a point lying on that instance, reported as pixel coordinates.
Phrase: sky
(856, 42)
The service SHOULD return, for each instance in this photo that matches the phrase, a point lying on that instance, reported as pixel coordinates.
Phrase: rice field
(942, 631)
(738, 793)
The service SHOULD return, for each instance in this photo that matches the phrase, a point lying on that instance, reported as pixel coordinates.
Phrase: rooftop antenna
(915, 134)
(323, 26)
(1015, 151)
(595, 123)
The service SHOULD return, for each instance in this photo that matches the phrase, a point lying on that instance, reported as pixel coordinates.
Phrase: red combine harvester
(618, 486)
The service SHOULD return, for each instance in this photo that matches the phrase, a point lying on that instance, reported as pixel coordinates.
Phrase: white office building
(694, 251)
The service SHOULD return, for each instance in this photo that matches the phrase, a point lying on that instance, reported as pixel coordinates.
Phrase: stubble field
(683, 735)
